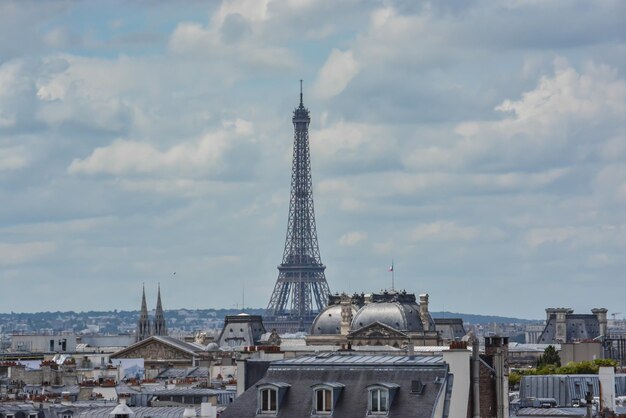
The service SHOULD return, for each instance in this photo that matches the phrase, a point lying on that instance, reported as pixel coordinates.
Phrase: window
(378, 400)
(381, 397)
(323, 400)
(269, 400)
(270, 396)
(325, 397)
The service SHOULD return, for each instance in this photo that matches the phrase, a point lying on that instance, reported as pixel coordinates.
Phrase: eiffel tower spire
(160, 327)
(301, 290)
(143, 326)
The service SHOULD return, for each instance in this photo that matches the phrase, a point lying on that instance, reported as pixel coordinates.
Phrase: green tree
(549, 357)
(514, 379)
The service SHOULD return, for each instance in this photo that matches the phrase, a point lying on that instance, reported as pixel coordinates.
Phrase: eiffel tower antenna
(301, 290)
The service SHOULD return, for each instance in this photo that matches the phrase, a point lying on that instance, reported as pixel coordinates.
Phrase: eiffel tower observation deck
(301, 290)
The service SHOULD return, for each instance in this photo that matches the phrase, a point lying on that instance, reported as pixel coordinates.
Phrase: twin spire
(144, 328)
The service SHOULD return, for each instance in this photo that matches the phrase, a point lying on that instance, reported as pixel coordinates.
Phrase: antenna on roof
(243, 297)
(301, 104)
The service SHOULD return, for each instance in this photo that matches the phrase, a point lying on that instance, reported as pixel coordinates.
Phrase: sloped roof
(181, 373)
(551, 412)
(140, 412)
(122, 409)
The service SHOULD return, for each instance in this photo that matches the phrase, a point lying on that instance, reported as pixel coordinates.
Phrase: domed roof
(328, 321)
(403, 316)
(212, 347)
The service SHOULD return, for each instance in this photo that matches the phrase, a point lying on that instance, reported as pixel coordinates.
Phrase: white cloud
(12, 158)
(352, 238)
(204, 155)
(340, 68)
(14, 253)
(347, 141)
(422, 149)
(443, 231)
(562, 120)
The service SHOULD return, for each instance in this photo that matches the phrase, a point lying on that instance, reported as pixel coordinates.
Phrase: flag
(390, 268)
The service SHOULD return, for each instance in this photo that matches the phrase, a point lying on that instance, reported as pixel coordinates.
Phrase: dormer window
(381, 397)
(325, 396)
(270, 396)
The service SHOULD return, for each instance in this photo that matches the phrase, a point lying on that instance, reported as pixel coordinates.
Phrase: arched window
(323, 400)
(269, 400)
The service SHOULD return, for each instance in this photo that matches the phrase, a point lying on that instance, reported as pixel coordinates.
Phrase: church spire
(143, 326)
(160, 328)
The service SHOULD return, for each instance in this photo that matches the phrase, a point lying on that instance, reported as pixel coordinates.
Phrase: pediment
(153, 349)
(377, 330)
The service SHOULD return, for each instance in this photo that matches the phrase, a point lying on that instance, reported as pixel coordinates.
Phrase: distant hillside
(482, 319)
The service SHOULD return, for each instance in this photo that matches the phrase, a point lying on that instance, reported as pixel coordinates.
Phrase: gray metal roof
(140, 412)
(551, 412)
(359, 359)
(181, 373)
(565, 388)
(328, 321)
(402, 316)
(188, 391)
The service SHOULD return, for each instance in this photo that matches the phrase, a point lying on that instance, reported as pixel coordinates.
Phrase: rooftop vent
(417, 387)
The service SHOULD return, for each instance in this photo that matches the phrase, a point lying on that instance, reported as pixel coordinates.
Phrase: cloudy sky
(480, 145)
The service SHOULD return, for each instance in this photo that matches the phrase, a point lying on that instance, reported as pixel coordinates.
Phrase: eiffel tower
(301, 290)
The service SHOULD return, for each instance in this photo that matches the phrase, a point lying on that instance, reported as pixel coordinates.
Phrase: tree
(549, 357)
(514, 379)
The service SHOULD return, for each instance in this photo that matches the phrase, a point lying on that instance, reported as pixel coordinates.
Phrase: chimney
(498, 349)
(475, 377)
(606, 375)
(561, 324)
(207, 410)
(600, 313)
(189, 413)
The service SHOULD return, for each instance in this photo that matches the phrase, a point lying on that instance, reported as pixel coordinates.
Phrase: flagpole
(392, 276)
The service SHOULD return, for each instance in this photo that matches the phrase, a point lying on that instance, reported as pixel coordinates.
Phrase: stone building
(450, 329)
(456, 383)
(162, 352)
(241, 330)
(564, 326)
(387, 318)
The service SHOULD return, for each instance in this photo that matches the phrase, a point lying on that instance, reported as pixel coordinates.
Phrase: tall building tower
(301, 290)
(159, 319)
(143, 326)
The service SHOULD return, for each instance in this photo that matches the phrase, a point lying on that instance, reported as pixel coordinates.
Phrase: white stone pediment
(377, 330)
(152, 349)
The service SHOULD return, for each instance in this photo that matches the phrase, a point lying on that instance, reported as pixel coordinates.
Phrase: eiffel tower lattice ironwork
(301, 289)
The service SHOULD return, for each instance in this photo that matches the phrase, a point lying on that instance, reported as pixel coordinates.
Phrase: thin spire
(143, 325)
(159, 308)
(160, 327)
(144, 305)
(301, 102)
